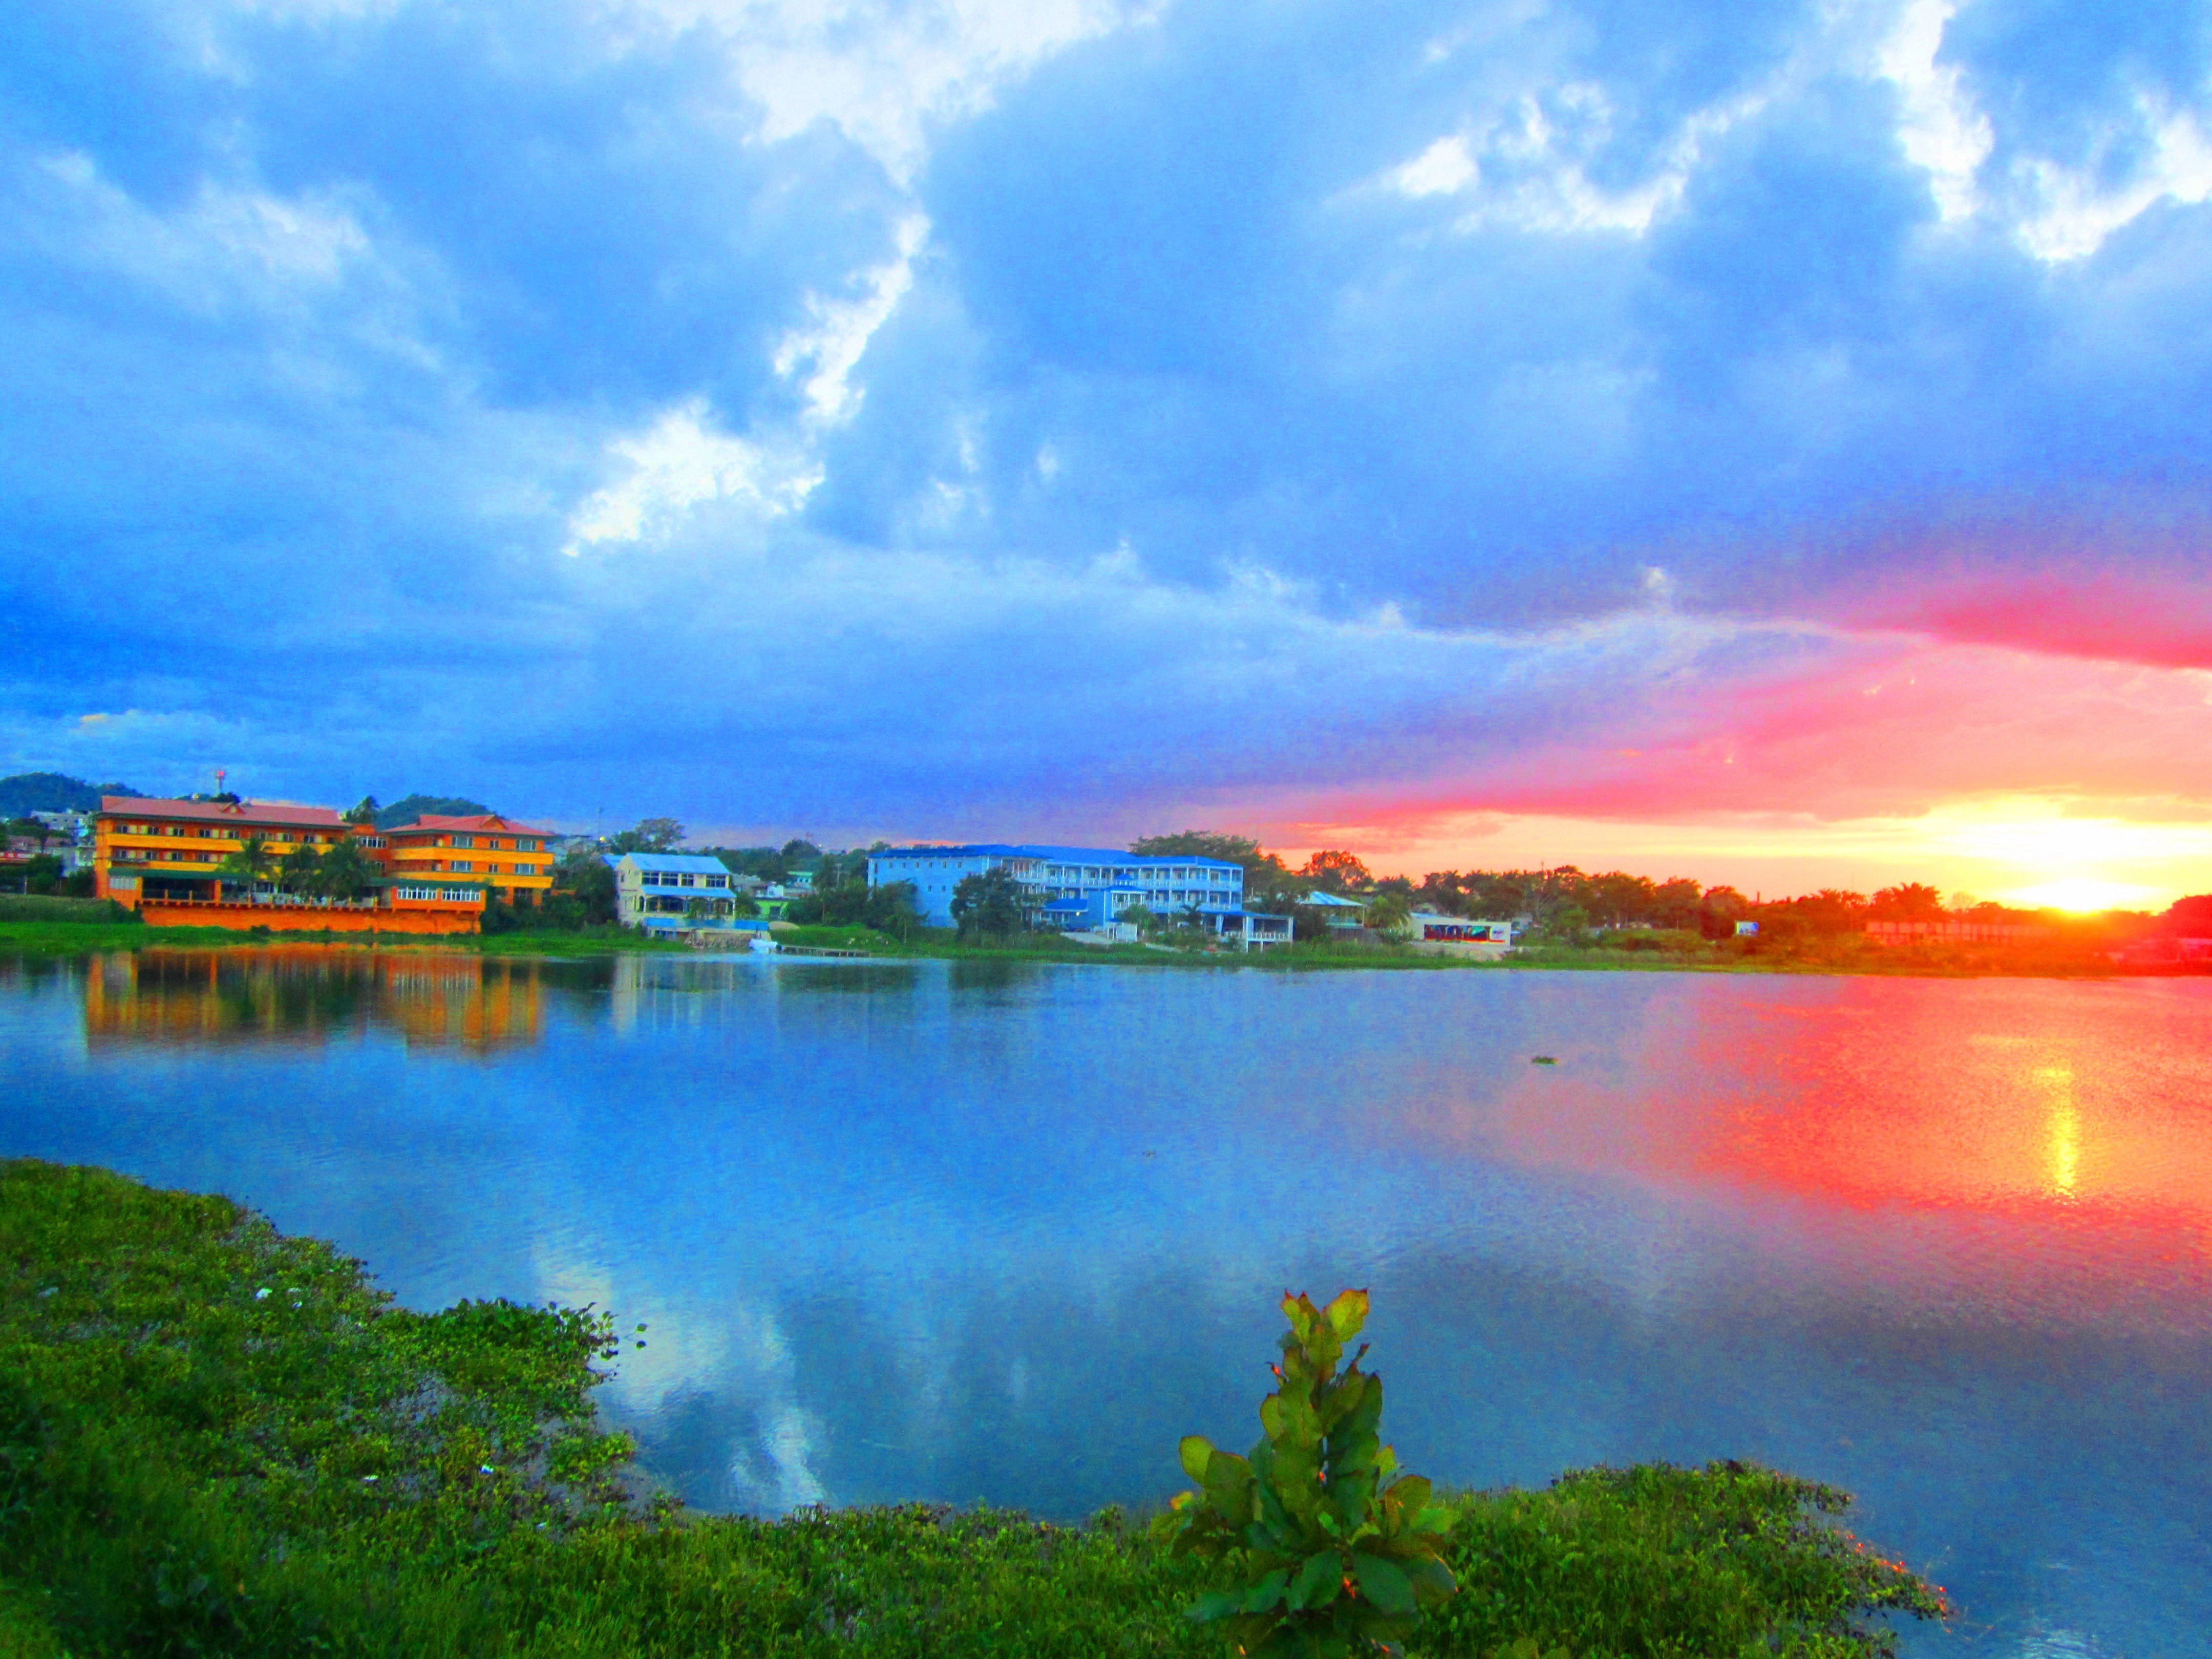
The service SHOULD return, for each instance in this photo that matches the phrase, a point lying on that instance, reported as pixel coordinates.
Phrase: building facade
(164, 858)
(437, 860)
(1458, 936)
(1074, 888)
(677, 892)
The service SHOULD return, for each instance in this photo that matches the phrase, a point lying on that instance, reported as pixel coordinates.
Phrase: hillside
(53, 791)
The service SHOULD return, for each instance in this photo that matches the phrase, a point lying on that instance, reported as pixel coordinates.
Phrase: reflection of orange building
(304, 994)
(464, 1000)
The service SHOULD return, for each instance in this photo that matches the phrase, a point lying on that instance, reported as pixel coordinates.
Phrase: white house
(673, 891)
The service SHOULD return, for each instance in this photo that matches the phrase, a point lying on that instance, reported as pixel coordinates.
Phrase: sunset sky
(1760, 442)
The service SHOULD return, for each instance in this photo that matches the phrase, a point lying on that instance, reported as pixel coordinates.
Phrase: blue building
(1076, 888)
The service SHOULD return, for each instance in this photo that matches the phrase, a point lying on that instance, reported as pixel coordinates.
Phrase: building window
(687, 881)
(718, 881)
(462, 865)
(464, 840)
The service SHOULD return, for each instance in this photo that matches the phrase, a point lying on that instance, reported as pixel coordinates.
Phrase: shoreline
(44, 938)
(1888, 961)
(222, 1440)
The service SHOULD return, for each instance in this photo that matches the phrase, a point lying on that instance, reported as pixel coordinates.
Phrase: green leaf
(1353, 1453)
(1346, 1314)
(1431, 1580)
(1319, 1582)
(1411, 1494)
(1384, 1583)
(1268, 1594)
(1197, 1451)
(1214, 1604)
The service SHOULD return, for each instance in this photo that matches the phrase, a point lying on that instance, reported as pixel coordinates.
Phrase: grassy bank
(45, 933)
(215, 1440)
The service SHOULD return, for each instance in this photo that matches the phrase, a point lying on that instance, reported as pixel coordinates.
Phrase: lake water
(1003, 1232)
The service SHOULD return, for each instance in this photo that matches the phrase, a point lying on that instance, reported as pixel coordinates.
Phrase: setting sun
(2084, 894)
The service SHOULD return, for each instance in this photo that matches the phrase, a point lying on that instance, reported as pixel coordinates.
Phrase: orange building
(484, 853)
(164, 858)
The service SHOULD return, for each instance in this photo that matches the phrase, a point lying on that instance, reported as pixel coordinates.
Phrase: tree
(989, 902)
(1263, 870)
(1336, 871)
(1390, 910)
(364, 811)
(344, 871)
(797, 850)
(250, 864)
(1720, 911)
(1912, 901)
(408, 808)
(585, 876)
(1674, 903)
(894, 908)
(651, 835)
(40, 873)
(297, 869)
(2188, 918)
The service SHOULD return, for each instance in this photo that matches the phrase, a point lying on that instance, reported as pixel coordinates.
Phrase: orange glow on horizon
(2026, 851)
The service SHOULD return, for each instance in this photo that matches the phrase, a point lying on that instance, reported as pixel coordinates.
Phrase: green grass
(47, 934)
(216, 1440)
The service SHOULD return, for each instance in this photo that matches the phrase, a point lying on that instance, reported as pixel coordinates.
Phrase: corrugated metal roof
(476, 820)
(1059, 855)
(211, 812)
(694, 863)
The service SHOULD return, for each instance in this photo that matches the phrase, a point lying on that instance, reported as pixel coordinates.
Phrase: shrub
(1330, 1562)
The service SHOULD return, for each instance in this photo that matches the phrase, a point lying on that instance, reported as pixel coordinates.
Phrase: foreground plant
(1331, 1561)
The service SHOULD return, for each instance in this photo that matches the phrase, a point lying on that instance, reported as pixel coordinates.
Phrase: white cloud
(675, 465)
(1938, 126)
(225, 242)
(828, 348)
(1527, 165)
(886, 74)
(2075, 212)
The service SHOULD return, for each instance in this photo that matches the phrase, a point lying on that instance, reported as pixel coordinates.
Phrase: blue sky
(1729, 437)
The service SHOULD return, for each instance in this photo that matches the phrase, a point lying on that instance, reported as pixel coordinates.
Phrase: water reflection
(309, 994)
(1941, 1242)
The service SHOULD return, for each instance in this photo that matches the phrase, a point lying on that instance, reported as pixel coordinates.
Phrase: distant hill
(53, 791)
(413, 806)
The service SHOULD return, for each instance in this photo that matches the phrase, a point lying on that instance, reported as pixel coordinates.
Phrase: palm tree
(295, 870)
(343, 871)
(1389, 910)
(248, 865)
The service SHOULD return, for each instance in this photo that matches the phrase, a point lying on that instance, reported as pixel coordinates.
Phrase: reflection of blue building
(1074, 888)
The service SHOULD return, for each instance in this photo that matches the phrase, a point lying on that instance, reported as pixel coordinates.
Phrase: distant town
(443, 866)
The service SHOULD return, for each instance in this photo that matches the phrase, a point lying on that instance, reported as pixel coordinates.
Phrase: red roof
(480, 822)
(212, 812)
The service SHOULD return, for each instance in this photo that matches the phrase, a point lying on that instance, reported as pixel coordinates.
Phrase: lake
(1003, 1232)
